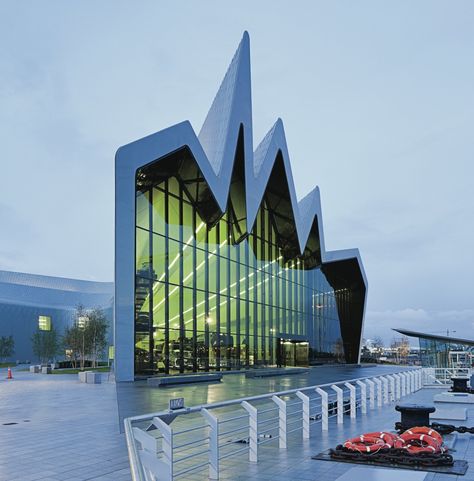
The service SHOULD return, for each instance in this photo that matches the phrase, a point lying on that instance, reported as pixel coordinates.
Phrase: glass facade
(444, 353)
(210, 297)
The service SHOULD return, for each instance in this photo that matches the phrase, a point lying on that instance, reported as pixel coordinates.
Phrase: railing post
(371, 392)
(397, 386)
(429, 372)
(253, 431)
(385, 389)
(150, 464)
(378, 382)
(352, 391)
(403, 384)
(305, 400)
(213, 423)
(282, 421)
(340, 403)
(166, 445)
(412, 381)
(363, 396)
(324, 408)
(392, 387)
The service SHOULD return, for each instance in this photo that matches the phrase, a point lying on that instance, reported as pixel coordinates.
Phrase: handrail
(144, 463)
(136, 467)
(442, 375)
(230, 402)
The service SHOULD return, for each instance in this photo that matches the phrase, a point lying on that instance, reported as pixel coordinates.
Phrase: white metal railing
(168, 445)
(441, 376)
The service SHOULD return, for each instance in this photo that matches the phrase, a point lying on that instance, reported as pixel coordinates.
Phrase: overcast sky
(377, 100)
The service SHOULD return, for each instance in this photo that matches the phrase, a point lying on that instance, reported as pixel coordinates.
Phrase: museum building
(218, 266)
(32, 302)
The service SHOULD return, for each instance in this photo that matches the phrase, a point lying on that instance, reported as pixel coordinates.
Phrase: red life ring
(392, 440)
(366, 444)
(426, 430)
(420, 443)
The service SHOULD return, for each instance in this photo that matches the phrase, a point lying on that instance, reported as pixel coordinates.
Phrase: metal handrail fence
(168, 445)
(441, 376)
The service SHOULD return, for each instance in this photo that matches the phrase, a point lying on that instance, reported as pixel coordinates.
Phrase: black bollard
(459, 384)
(414, 415)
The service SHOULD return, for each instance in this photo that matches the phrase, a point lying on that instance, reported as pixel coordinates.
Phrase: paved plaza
(65, 430)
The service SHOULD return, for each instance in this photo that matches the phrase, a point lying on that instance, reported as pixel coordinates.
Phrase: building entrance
(292, 353)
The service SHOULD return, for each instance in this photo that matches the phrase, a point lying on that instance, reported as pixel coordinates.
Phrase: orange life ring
(426, 430)
(392, 440)
(366, 444)
(421, 443)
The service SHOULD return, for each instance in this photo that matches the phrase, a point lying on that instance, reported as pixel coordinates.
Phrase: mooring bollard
(459, 384)
(414, 415)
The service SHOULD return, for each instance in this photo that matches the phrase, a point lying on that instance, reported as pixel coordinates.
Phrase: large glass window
(205, 302)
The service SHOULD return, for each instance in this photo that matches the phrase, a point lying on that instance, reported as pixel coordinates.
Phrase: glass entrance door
(293, 353)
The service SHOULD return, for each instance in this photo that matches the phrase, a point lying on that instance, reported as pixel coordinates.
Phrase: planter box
(93, 377)
(83, 376)
(270, 372)
(186, 379)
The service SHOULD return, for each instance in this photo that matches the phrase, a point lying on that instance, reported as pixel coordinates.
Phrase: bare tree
(394, 347)
(86, 339)
(72, 342)
(96, 329)
(7, 347)
(378, 346)
(74, 338)
(45, 344)
(401, 348)
(404, 348)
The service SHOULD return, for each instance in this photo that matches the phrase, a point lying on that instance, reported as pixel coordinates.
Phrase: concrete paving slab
(379, 474)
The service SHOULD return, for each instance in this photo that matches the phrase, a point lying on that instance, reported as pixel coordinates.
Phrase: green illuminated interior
(44, 323)
(210, 297)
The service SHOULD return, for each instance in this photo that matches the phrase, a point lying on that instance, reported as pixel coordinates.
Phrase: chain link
(442, 429)
(393, 456)
(449, 428)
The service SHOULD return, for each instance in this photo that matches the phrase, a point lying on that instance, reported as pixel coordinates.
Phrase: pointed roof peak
(231, 107)
(245, 39)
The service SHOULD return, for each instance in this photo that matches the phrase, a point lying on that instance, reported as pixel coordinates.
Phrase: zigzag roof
(214, 151)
